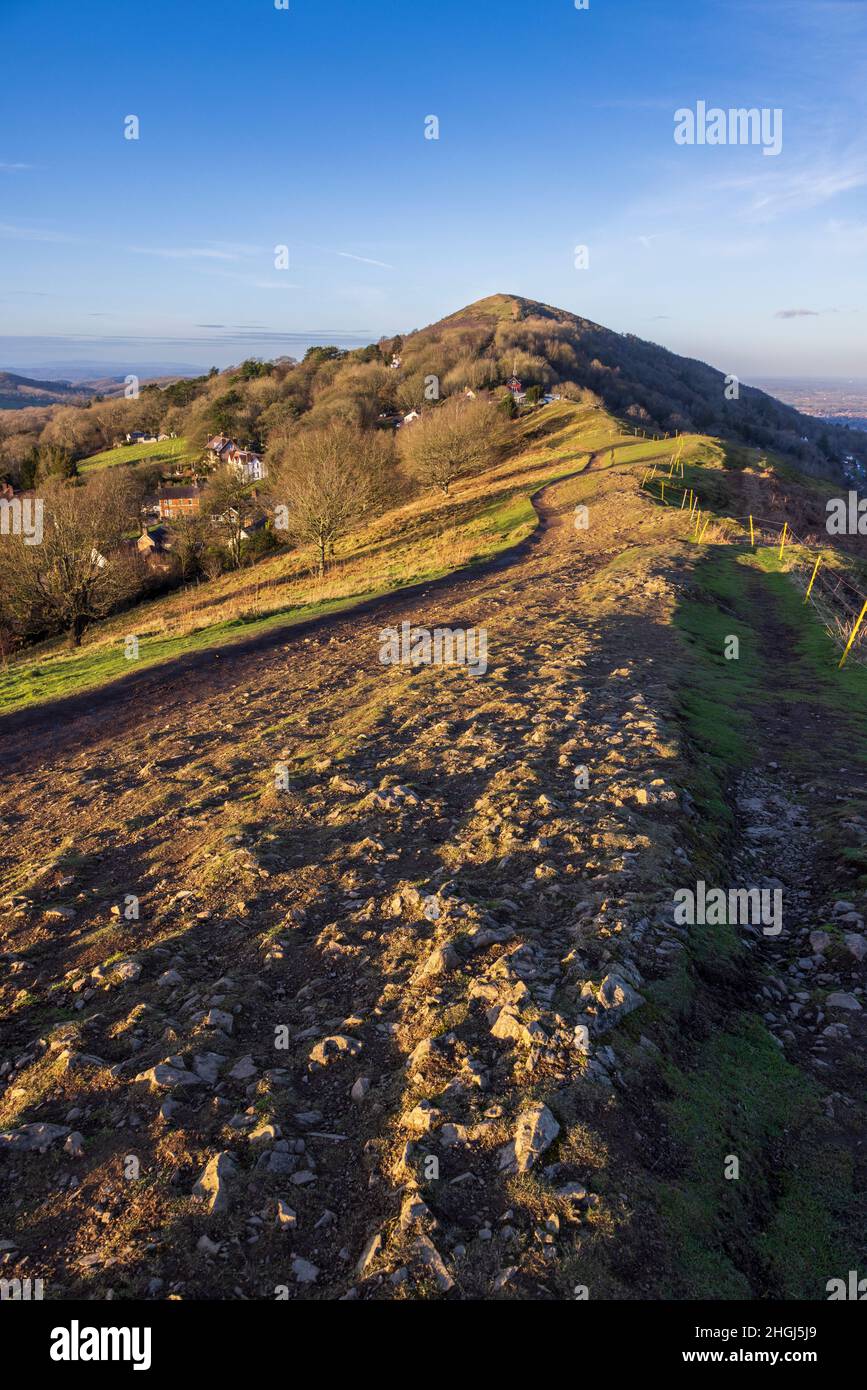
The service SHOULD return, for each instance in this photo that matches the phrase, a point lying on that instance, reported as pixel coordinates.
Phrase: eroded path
(328, 977)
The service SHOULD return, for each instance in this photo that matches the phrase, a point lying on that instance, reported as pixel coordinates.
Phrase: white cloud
(186, 253)
(367, 260)
(7, 229)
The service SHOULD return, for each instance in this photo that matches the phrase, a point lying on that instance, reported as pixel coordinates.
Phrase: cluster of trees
(333, 459)
(324, 479)
(264, 404)
(80, 570)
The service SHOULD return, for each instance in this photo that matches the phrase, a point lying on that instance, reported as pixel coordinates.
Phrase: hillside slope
(299, 1000)
(641, 380)
(17, 392)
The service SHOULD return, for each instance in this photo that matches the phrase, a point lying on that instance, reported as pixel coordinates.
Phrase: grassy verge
(783, 1227)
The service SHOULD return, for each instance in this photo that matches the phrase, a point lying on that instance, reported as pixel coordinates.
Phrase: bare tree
(189, 543)
(461, 436)
(79, 570)
(326, 479)
(227, 501)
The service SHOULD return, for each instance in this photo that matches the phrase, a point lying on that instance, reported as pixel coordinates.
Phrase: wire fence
(840, 605)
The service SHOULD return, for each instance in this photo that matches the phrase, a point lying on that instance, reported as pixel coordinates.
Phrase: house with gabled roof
(218, 447)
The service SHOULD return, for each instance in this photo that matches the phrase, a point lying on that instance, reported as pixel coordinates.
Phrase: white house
(247, 464)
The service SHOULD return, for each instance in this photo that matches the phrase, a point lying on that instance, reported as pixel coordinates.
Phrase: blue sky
(305, 127)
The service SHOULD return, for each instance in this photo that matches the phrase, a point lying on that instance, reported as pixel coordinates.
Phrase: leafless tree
(327, 479)
(460, 436)
(81, 568)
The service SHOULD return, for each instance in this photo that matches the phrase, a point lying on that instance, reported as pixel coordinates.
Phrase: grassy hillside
(164, 451)
(426, 886)
(636, 378)
(424, 540)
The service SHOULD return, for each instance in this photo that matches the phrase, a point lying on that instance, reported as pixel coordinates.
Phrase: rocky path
(371, 1031)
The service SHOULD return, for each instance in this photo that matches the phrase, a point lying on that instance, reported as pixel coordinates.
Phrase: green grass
(716, 698)
(778, 1229)
(500, 526)
(88, 669)
(166, 451)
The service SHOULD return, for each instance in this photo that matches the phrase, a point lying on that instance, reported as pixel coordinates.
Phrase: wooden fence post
(853, 634)
(813, 579)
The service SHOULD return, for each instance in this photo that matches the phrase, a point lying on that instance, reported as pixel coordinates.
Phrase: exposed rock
(304, 1271)
(442, 961)
(508, 1025)
(32, 1138)
(218, 1018)
(368, 1255)
(415, 1212)
(840, 1000)
(422, 1053)
(166, 1076)
(431, 1257)
(74, 1145)
(535, 1132)
(285, 1218)
(212, 1186)
(422, 1118)
(207, 1065)
(80, 1061)
(244, 1069)
(332, 1049)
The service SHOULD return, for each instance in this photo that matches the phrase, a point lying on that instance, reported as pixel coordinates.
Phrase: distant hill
(16, 392)
(636, 379)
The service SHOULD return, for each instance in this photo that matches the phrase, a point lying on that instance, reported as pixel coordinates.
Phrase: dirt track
(425, 887)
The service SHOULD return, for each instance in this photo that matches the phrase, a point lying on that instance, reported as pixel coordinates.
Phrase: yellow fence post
(783, 539)
(703, 529)
(662, 492)
(813, 578)
(683, 500)
(853, 634)
(752, 534)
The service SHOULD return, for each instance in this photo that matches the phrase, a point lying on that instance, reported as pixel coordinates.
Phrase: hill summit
(636, 379)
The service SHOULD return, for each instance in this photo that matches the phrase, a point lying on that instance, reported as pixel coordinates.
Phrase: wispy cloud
(13, 168)
(776, 191)
(796, 314)
(7, 229)
(186, 253)
(366, 260)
